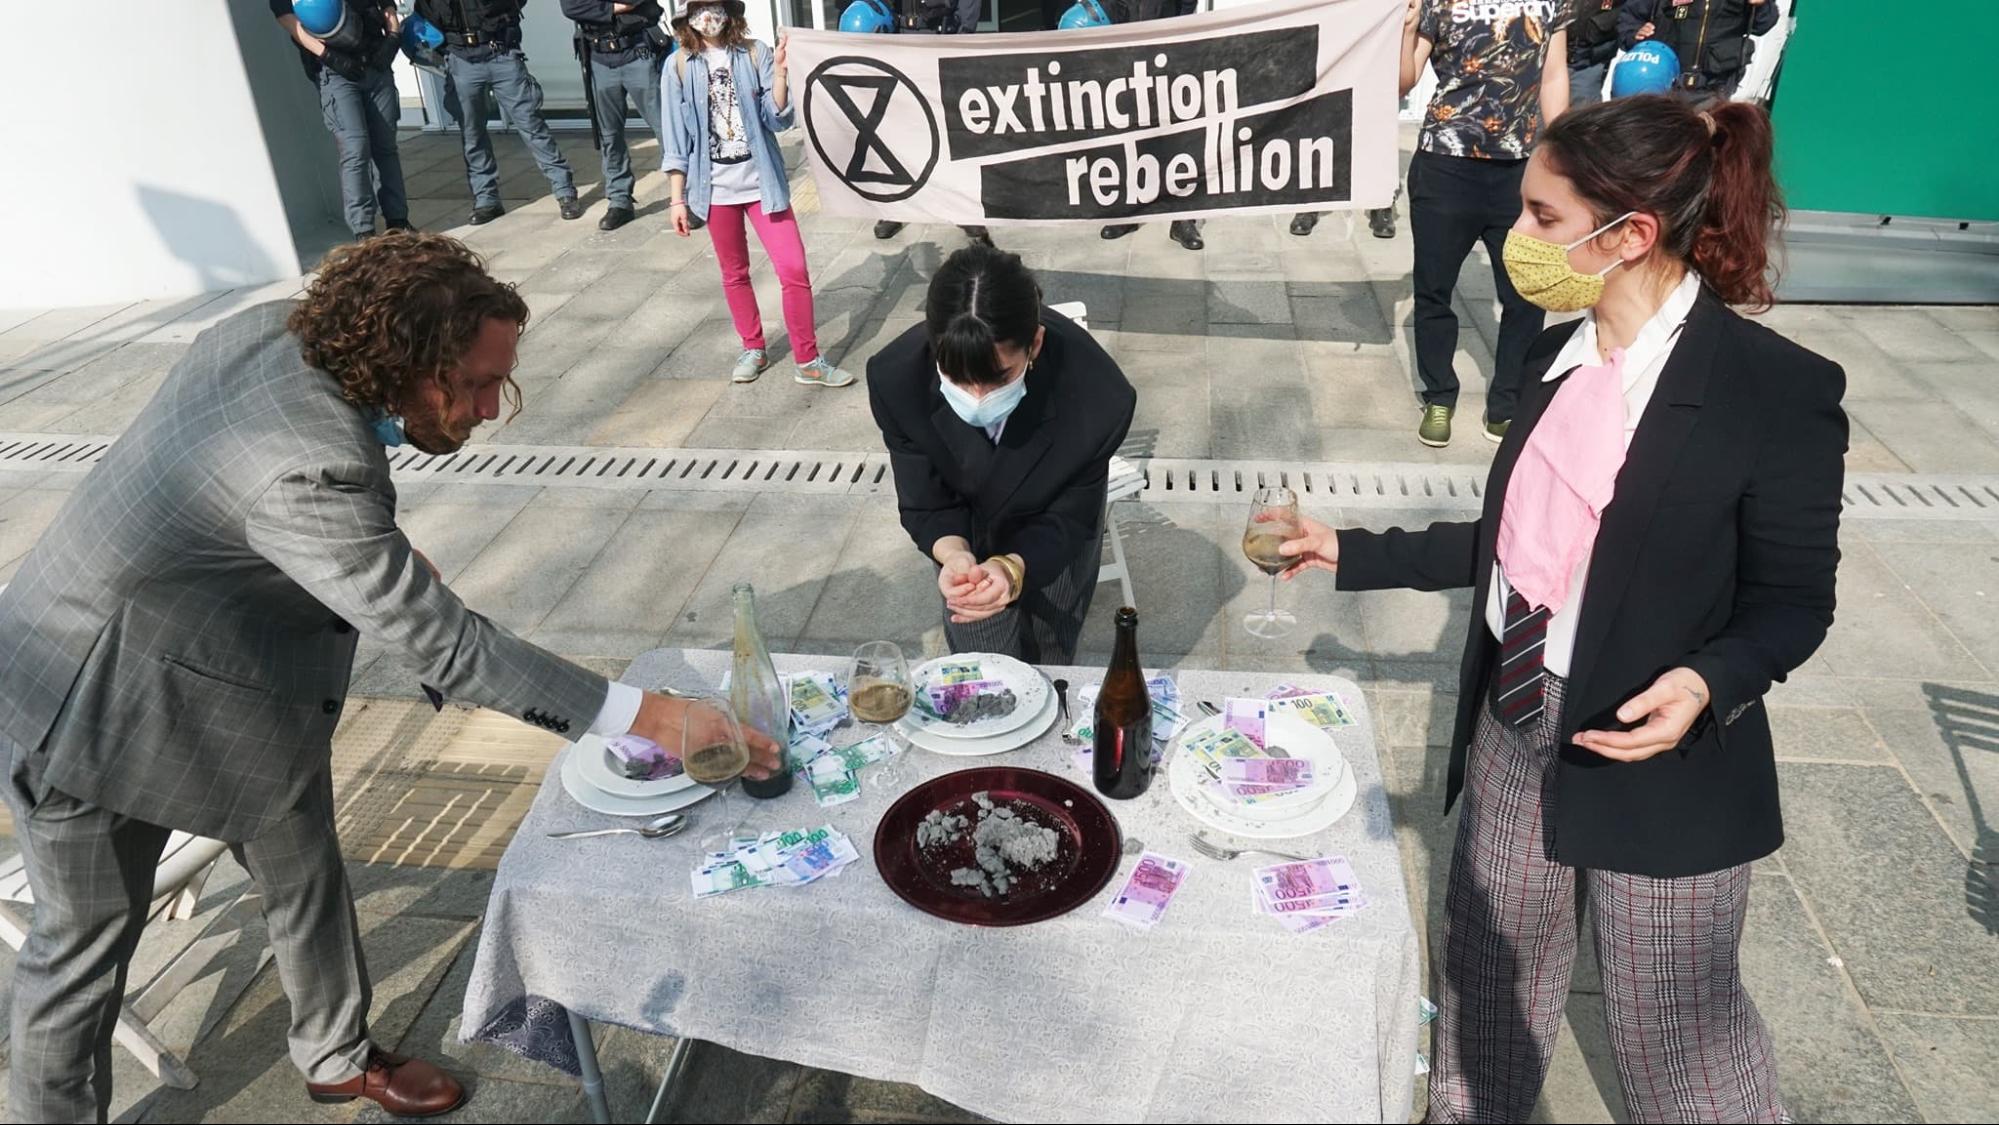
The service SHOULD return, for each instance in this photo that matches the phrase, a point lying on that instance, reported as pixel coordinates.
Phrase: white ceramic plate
(1320, 818)
(1015, 739)
(1298, 738)
(593, 759)
(1302, 814)
(596, 800)
(1028, 685)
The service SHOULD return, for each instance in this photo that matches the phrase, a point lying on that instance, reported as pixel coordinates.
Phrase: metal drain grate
(1383, 485)
(1386, 485)
(688, 470)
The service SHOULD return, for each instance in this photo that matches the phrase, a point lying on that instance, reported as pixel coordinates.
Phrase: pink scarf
(1562, 483)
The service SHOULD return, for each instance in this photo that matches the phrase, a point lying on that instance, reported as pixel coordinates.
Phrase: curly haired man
(175, 654)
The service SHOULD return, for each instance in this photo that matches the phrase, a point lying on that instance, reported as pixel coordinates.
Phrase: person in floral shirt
(1493, 95)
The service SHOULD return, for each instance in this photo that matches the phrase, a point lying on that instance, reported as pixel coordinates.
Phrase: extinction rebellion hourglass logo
(880, 137)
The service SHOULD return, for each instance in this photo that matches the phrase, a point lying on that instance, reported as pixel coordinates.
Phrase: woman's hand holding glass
(1316, 547)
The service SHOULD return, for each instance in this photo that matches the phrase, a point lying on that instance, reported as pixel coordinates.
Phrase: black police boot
(1116, 230)
(483, 215)
(1303, 222)
(1186, 233)
(400, 224)
(572, 208)
(616, 217)
(888, 228)
(1381, 221)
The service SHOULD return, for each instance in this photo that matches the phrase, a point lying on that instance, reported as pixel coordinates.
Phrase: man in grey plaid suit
(175, 653)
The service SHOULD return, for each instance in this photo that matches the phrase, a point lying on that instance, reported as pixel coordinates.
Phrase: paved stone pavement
(1872, 943)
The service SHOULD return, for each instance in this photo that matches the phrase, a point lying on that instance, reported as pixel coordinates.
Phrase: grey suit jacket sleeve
(335, 534)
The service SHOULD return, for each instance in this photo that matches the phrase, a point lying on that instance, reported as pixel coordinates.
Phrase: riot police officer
(1711, 38)
(357, 100)
(482, 51)
(620, 45)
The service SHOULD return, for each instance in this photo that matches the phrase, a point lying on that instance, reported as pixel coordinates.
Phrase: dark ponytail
(981, 297)
(1704, 172)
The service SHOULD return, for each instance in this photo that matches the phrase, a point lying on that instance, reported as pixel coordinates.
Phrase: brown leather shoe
(403, 1086)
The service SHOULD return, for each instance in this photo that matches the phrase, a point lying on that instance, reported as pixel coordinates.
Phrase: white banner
(1283, 106)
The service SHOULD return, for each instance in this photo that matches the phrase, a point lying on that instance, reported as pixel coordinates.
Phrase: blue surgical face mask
(983, 412)
(388, 428)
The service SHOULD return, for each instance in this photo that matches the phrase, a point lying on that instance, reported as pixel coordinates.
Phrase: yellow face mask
(1540, 270)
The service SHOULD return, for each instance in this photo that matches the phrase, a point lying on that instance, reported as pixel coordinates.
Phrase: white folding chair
(177, 883)
(1126, 482)
(184, 868)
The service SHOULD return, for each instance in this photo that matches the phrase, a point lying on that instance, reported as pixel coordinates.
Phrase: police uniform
(358, 102)
(620, 53)
(482, 51)
(1711, 38)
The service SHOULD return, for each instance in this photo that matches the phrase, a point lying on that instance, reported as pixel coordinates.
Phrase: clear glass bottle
(756, 693)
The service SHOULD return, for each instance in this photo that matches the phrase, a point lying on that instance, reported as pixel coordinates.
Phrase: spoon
(655, 829)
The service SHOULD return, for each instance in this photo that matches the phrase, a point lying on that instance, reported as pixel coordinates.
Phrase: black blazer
(1717, 552)
(1038, 492)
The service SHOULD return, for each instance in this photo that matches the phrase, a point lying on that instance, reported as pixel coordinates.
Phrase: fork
(1213, 850)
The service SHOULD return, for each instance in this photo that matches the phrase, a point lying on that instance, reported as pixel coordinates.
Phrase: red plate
(1087, 854)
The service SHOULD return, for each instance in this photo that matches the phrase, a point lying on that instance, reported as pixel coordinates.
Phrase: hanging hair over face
(980, 298)
(397, 311)
(1705, 174)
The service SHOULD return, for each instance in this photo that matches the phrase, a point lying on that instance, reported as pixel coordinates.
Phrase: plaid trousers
(1688, 1042)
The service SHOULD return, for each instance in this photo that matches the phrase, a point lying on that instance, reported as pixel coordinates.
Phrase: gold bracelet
(1016, 575)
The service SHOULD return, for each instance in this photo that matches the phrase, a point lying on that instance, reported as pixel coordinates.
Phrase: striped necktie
(1517, 688)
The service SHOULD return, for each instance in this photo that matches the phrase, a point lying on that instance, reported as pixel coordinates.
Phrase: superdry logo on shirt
(1500, 11)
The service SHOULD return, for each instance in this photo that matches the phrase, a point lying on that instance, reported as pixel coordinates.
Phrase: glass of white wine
(879, 693)
(1273, 519)
(713, 753)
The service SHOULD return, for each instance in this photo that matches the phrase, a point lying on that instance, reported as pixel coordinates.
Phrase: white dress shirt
(1643, 360)
(619, 712)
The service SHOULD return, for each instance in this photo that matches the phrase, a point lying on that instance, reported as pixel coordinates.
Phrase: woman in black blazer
(1637, 594)
(1000, 417)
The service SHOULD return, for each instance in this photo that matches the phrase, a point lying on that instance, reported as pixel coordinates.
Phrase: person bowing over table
(1000, 417)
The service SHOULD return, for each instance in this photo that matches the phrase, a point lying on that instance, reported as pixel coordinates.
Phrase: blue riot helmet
(1648, 68)
(423, 43)
(1083, 13)
(333, 22)
(868, 17)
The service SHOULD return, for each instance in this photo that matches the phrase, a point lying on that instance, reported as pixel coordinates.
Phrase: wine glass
(879, 693)
(1273, 519)
(713, 753)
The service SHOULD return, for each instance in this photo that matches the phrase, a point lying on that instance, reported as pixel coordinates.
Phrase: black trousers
(1454, 203)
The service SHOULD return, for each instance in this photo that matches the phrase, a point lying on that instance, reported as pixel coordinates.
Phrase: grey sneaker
(749, 365)
(1495, 432)
(1436, 428)
(821, 373)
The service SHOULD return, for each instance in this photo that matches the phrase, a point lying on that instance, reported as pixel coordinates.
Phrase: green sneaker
(821, 373)
(1495, 432)
(1436, 428)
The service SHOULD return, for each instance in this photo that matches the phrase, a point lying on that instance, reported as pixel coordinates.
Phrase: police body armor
(475, 23)
(1711, 38)
(624, 31)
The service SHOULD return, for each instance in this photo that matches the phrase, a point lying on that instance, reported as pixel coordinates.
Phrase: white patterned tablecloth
(1216, 1014)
